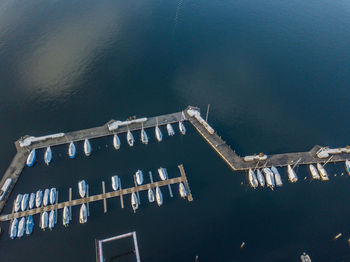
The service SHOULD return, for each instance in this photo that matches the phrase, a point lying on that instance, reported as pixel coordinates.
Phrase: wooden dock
(103, 197)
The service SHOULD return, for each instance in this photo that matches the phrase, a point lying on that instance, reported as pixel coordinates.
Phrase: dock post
(104, 197)
(121, 194)
(184, 179)
(87, 204)
(70, 200)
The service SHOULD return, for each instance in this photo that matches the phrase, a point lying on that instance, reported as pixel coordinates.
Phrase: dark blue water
(275, 73)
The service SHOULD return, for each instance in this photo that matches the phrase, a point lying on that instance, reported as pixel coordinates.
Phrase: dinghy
(115, 182)
(38, 198)
(31, 200)
(82, 188)
(66, 216)
(182, 128)
(323, 172)
(170, 130)
(159, 196)
(18, 202)
(46, 197)
(260, 178)
(24, 202)
(292, 176)
(44, 220)
(87, 147)
(130, 138)
(31, 158)
(134, 201)
(72, 150)
(139, 177)
(48, 155)
(150, 195)
(162, 173)
(314, 172)
(277, 175)
(253, 181)
(13, 228)
(116, 142)
(83, 214)
(53, 193)
(182, 190)
(21, 227)
(29, 225)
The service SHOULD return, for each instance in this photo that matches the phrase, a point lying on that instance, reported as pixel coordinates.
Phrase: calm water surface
(275, 73)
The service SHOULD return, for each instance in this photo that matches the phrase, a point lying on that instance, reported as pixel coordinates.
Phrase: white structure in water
(29, 140)
(116, 124)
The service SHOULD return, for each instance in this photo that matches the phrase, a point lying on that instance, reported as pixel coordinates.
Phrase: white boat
(29, 225)
(52, 219)
(48, 155)
(24, 202)
(292, 176)
(159, 196)
(150, 195)
(269, 177)
(260, 178)
(115, 182)
(116, 142)
(44, 219)
(305, 258)
(72, 150)
(130, 138)
(31, 200)
(182, 190)
(46, 197)
(253, 181)
(144, 136)
(277, 175)
(182, 128)
(38, 198)
(53, 193)
(18, 202)
(134, 201)
(163, 174)
(314, 172)
(139, 177)
(170, 130)
(31, 158)
(83, 214)
(13, 228)
(4, 188)
(21, 227)
(87, 147)
(82, 188)
(159, 135)
(323, 172)
(66, 216)
(347, 166)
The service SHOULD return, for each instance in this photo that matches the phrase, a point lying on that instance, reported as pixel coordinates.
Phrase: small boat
(253, 181)
(116, 142)
(292, 176)
(159, 135)
(260, 178)
(29, 225)
(83, 214)
(277, 175)
(163, 174)
(44, 219)
(139, 177)
(13, 228)
(115, 182)
(182, 190)
(314, 172)
(150, 195)
(66, 216)
(130, 138)
(31, 200)
(305, 258)
(347, 166)
(323, 172)
(159, 196)
(170, 130)
(24, 202)
(53, 193)
(269, 177)
(134, 201)
(48, 155)
(52, 219)
(46, 197)
(87, 147)
(21, 227)
(182, 128)
(18, 202)
(31, 158)
(72, 150)
(82, 188)
(144, 136)
(38, 198)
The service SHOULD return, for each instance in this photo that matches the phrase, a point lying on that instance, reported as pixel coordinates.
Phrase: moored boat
(182, 190)
(48, 155)
(52, 219)
(260, 178)
(53, 193)
(163, 174)
(134, 201)
(314, 172)
(72, 150)
(253, 181)
(83, 214)
(38, 198)
(24, 202)
(347, 166)
(150, 195)
(115, 182)
(170, 130)
(130, 138)
(87, 147)
(66, 216)
(31, 201)
(82, 188)
(44, 219)
(139, 177)
(323, 172)
(159, 196)
(277, 175)
(144, 136)
(292, 176)
(21, 227)
(159, 135)
(269, 177)
(182, 128)
(29, 225)
(116, 142)
(13, 228)
(18, 202)
(305, 258)
(31, 158)
(46, 197)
